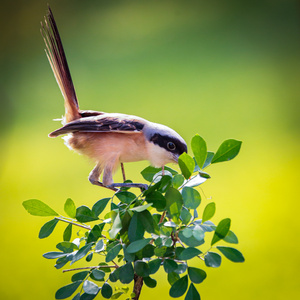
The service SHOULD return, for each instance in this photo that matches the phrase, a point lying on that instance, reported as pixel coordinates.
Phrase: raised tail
(57, 59)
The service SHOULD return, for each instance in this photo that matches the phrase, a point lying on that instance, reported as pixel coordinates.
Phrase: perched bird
(110, 139)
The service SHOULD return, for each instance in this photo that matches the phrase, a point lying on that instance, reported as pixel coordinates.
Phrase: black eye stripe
(164, 142)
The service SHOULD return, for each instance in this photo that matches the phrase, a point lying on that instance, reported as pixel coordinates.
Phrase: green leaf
(190, 241)
(198, 233)
(90, 287)
(38, 208)
(169, 265)
(47, 228)
(192, 293)
(84, 214)
(141, 207)
(209, 157)
(147, 221)
(126, 273)
(113, 252)
(86, 296)
(67, 233)
(160, 251)
(116, 227)
(221, 230)
(148, 251)
(209, 211)
(196, 275)
(61, 261)
(125, 197)
(199, 149)
(117, 295)
(177, 181)
(185, 216)
(150, 282)
(137, 245)
(89, 257)
(231, 253)
(135, 229)
(204, 174)
(186, 164)
(170, 224)
(67, 247)
(191, 198)
(212, 259)
(181, 268)
(76, 297)
(99, 206)
(231, 238)
(154, 265)
(70, 208)
(228, 150)
(141, 268)
(98, 274)
(114, 276)
(179, 287)
(157, 199)
(79, 276)
(54, 255)
(187, 232)
(173, 277)
(163, 179)
(149, 172)
(95, 233)
(82, 252)
(128, 257)
(174, 203)
(106, 291)
(67, 290)
(189, 253)
(99, 246)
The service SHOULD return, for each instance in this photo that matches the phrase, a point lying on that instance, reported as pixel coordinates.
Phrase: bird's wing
(90, 113)
(103, 123)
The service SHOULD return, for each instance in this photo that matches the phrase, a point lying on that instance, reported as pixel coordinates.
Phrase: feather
(58, 62)
(103, 123)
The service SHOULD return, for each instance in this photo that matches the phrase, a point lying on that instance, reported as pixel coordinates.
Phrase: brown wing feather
(101, 124)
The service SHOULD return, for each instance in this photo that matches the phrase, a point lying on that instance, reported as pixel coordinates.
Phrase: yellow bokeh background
(223, 69)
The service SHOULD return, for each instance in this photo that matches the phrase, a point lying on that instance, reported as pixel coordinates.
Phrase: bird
(109, 139)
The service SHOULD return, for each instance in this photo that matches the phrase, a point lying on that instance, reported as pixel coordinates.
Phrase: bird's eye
(171, 146)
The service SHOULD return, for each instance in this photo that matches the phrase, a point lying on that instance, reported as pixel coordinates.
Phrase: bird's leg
(107, 179)
(123, 172)
(94, 177)
(163, 170)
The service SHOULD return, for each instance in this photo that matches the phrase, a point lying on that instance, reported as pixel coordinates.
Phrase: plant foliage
(136, 235)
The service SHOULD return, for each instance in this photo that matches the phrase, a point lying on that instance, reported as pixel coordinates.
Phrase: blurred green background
(223, 69)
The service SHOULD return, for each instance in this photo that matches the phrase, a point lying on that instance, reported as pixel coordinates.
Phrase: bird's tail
(57, 59)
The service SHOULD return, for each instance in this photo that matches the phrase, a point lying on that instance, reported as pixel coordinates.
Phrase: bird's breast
(105, 146)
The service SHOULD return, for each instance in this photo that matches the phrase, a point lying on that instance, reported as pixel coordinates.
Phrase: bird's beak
(175, 157)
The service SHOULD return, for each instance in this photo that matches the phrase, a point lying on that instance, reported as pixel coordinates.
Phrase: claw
(141, 186)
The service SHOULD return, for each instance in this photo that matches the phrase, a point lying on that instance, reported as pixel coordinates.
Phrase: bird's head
(164, 144)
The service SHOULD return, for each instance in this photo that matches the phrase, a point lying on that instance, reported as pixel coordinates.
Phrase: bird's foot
(141, 186)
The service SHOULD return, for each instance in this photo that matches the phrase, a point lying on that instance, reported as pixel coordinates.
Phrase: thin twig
(116, 266)
(70, 222)
(162, 217)
(87, 268)
(180, 242)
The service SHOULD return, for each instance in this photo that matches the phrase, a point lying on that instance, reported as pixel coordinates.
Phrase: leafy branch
(139, 234)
